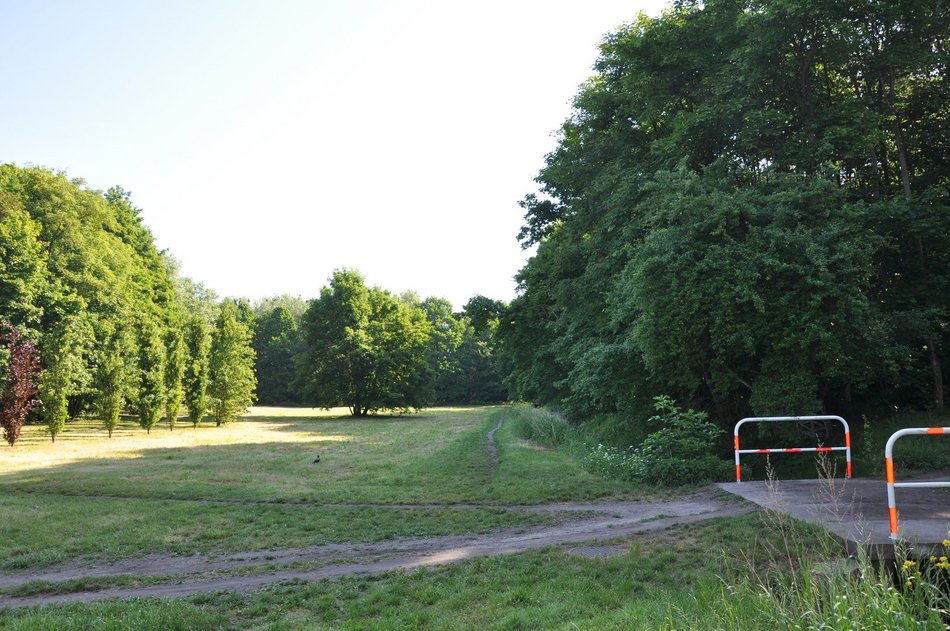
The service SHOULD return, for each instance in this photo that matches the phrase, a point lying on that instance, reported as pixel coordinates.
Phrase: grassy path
(194, 575)
(244, 509)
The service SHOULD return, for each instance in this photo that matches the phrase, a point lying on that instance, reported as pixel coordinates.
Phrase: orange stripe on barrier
(889, 470)
(893, 512)
(849, 469)
(736, 437)
(738, 474)
(792, 450)
(761, 451)
(824, 449)
(847, 439)
(935, 430)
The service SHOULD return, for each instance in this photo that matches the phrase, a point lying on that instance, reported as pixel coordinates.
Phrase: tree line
(370, 350)
(747, 210)
(98, 321)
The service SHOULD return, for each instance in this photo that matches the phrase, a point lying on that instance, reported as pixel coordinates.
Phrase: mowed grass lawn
(253, 484)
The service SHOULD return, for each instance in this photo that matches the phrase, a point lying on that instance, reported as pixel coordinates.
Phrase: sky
(271, 142)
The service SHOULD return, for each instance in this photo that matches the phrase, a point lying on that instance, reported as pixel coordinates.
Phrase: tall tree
(74, 263)
(276, 345)
(365, 349)
(150, 392)
(231, 380)
(745, 200)
(63, 370)
(19, 385)
(112, 376)
(195, 379)
(174, 374)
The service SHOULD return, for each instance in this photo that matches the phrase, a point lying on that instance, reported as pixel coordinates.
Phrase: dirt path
(492, 447)
(177, 576)
(601, 521)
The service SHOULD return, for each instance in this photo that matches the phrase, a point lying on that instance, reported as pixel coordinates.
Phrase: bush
(614, 462)
(682, 451)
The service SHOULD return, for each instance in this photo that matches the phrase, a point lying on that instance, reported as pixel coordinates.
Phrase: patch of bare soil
(492, 448)
(601, 521)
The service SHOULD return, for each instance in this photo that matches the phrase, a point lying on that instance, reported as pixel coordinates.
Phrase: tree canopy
(747, 210)
(365, 349)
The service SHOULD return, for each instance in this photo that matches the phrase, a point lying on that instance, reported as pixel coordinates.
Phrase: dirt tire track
(611, 520)
(492, 447)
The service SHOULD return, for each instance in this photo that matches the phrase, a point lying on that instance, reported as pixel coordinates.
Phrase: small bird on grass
(317, 459)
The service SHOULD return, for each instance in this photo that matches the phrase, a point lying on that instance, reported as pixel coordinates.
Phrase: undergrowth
(679, 450)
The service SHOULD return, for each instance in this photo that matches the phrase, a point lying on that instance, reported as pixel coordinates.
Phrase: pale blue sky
(271, 142)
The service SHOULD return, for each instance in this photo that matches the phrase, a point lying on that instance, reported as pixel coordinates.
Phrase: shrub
(682, 451)
(614, 462)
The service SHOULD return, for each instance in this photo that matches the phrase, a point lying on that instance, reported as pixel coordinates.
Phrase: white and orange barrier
(889, 469)
(792, 450)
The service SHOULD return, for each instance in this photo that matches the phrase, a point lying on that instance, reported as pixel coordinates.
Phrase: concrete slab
(856, 510)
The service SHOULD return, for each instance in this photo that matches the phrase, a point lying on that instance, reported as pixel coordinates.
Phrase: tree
(365, 349)
(195, 379)
(112, 376)
(74, 263)
(746, 209)
(276, 345)
(444, 342)
(23, 268)
(231, 366)
(174, 374)
(62, 357)
(19, 387)
(150, 394)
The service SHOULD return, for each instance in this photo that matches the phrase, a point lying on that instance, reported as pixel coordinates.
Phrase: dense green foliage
(461, 350)
(231, 380)
(680, 448)
(277, 344)
(174, 375)
(747, 211)
(149, 397)
(195, 377)
(365, 349)
(81, 277)
(112, 376)
(369, 350)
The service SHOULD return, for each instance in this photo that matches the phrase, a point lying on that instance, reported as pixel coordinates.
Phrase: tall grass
(814, 586)
(679, 450)
(544, 427)
(848, 596)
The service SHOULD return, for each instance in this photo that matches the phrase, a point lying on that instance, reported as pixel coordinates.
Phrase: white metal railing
(889, 470)
(792, 450)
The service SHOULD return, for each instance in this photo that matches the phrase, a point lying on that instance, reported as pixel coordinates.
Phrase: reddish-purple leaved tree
(19, 393)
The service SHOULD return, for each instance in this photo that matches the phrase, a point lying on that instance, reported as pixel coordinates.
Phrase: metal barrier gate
(793, 450)
(889, 469)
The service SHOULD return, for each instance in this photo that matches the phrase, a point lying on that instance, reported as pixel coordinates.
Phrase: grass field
(253, 484)
(437, 456)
